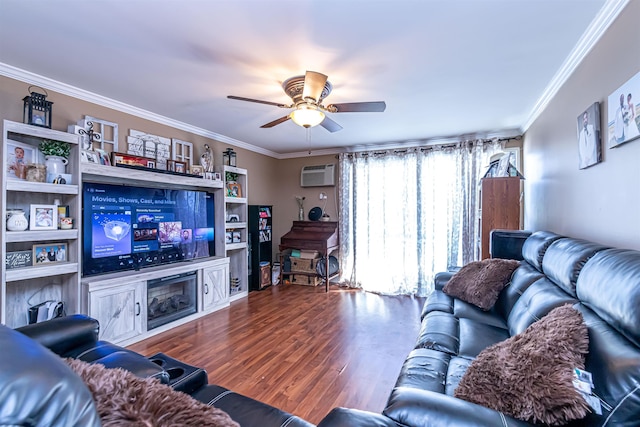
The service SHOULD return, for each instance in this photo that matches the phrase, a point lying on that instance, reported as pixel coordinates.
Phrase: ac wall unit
(318, 176)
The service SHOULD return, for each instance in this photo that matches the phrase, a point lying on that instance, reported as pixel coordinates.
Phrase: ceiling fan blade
(358, 107)
(330, 125)
(240, 98)
(276, 122)
(313, 85)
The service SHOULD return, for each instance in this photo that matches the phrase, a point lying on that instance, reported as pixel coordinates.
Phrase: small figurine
(206, 160)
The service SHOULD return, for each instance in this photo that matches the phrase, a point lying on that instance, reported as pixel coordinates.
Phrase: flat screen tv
(132, 227)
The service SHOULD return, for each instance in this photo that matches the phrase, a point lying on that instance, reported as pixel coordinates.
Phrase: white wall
(600, 203)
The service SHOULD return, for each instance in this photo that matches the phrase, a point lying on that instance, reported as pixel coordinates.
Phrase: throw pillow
(480, 282)
(125, 399)
(529, 376)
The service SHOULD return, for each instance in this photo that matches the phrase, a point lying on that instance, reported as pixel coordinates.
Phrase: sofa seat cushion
(480, 282)
(425, 369)
(439, 331)
(530, 376)
(247, 411)
(446, 333)
(419, 408)
(124, 399)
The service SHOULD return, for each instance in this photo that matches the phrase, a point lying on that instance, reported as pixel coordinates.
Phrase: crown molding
(596, 29)
(85, 95)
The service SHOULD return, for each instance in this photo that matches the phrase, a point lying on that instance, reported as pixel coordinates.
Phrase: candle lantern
(37, 110)
(229, 157)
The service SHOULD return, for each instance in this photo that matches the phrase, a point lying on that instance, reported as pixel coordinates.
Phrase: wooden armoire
(500, 207)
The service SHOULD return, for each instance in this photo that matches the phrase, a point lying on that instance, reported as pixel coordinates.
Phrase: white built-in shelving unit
(119, 298)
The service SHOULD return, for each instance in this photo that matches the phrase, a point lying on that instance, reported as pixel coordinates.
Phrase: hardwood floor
(301, 349)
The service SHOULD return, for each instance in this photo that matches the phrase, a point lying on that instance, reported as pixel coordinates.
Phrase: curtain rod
(438, 146)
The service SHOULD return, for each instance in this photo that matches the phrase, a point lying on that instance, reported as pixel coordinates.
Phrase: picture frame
(132, 160)
(87, 156)
(19, 155)
(103, 156)
(234, 189)
(171, 165)
(43, 217)
(47, 253)
(180, 167)
(589, 144)
(196, 170)
(623, 113)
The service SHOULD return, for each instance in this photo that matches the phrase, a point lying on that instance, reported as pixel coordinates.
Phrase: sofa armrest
(38, 389)
(423, 408)
(63, 334)
(345, 417)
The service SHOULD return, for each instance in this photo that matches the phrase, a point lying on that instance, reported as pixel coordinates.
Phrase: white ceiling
(446, 68)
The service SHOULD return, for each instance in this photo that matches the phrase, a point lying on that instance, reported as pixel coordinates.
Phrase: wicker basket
(301, 279)
(303, 265)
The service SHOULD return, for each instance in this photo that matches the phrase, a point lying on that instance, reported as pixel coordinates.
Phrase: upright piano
(321, 236)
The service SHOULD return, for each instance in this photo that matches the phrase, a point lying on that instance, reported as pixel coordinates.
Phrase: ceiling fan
(307, 93)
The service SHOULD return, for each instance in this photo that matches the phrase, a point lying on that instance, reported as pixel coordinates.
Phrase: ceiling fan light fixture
(307, 116)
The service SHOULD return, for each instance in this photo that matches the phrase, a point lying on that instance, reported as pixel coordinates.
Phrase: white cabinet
(122, 301)
(236, 236)
(119, 309)
(215, 287)
(23, 286)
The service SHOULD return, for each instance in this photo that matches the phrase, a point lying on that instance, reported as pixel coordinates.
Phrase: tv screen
(128, 227)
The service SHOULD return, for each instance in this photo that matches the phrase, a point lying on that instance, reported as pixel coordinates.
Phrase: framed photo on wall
(623, 114)
(589, 146)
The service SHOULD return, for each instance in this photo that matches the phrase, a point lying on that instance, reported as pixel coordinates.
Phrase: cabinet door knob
(139, 309)
(206, 288)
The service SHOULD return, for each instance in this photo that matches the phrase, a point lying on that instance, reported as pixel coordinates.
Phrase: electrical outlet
(323, 196)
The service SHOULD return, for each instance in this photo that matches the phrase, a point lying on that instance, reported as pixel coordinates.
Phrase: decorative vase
(301, 214)
(56, 164)
(16, 221)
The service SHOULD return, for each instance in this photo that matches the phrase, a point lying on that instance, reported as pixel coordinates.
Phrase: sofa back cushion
(564, 259)
(614, 363)
(535, 303)
(609, 284)
(536, 245)
(521, 279)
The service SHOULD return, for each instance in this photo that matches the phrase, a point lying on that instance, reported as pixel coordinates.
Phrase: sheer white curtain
(406, 215)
